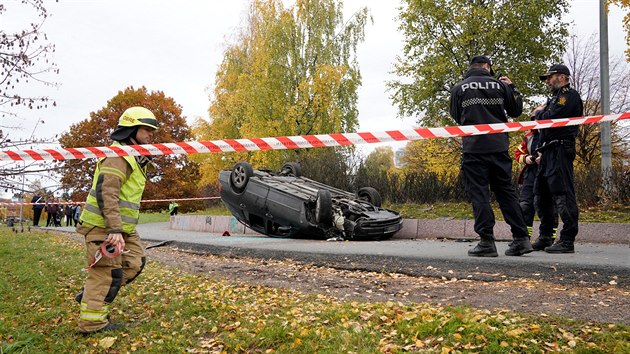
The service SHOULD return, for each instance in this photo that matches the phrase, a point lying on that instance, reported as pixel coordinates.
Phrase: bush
(431, 187)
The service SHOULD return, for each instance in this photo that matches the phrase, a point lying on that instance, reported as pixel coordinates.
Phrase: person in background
(172, 208)
(77, 214)
(51, 212)
(486, 163)
(554, 186)
(58, 215)
(37, 208)
(109, 220)
(69, 211)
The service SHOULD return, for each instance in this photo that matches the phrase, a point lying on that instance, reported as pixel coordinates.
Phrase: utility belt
(556, 142)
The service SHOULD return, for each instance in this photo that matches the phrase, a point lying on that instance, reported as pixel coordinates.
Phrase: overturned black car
(285, 204)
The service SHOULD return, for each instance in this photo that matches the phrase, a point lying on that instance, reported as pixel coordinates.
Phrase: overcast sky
(176, 46)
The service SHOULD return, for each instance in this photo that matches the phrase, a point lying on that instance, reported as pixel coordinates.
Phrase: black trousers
(37, 213)
(492, 171)
(50, 219)
(555, 191)
(527, 199)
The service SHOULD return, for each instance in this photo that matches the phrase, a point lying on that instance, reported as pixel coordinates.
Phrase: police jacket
(482, 99)
(564, 103)
(37, 199)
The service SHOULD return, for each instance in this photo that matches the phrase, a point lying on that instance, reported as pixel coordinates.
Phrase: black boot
(561, 247)
(485, 248)
(542, 242)
(519, 247)
(108, 328)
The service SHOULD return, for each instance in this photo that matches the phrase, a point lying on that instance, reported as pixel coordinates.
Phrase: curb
(442, 228)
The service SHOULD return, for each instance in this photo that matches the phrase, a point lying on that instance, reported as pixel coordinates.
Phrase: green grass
(615, 214)
(162, 216)
(169, 311)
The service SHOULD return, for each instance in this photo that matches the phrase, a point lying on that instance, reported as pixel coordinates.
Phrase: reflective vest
(129, 197)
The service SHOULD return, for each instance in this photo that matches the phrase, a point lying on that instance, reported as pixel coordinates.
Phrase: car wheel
(291, 168)
(323, 207)
(241, 173)
(371, 196)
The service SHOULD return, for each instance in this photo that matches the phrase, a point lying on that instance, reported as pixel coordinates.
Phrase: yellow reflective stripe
(121, 203)
(124, 218)
(94, 315)
(92, 208)
(113, 171)
(128, 220)
(128, 205)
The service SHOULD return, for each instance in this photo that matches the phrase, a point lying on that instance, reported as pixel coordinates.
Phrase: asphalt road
(592, 264)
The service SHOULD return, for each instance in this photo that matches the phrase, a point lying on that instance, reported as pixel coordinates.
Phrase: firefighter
(525, 154)
(554, 186)
(486, 163)
(172, 208)
(110, 216)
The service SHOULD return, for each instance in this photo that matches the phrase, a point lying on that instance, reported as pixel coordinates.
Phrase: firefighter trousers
(107, 276)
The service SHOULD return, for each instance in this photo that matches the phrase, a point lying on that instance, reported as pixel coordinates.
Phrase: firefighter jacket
(528, 146)
(483, 99)
(564, 103)
(114, 199)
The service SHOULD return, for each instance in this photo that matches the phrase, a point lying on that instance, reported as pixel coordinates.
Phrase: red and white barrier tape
(297, 142)
(142, 201)
(107, 250)
(172, 200)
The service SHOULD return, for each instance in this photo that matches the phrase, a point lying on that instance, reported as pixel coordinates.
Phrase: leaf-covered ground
(212, 305)
(535, 297)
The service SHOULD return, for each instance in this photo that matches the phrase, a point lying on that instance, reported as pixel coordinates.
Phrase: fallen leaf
(107, 342)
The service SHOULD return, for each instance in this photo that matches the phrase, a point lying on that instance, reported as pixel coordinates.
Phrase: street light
(23, 200)
(21, 189)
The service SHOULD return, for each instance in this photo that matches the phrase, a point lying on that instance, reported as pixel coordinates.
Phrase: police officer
(486, 163)
(554, 181)
(110, 217)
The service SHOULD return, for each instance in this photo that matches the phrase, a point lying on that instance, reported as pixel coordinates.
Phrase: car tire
(241, 173)
(370, 195)
(291, 169)
(323, 207)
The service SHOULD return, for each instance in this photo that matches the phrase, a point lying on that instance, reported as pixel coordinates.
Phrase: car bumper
(371, 228)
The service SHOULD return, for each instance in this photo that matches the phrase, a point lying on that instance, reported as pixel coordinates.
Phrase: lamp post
(23, 172)
(23, 200)
(606, 166)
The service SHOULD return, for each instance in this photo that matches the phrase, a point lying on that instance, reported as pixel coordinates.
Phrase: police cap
(556, 69)
(482, 59)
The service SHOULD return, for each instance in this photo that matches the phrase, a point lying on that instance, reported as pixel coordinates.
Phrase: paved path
(591, 264)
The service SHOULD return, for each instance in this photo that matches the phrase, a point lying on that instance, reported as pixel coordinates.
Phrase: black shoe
(541, 243)
(519, 248)
(561, 247)
(108, 328)
(485, 248)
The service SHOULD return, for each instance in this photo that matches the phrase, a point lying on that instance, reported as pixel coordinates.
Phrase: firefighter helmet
(131, 119)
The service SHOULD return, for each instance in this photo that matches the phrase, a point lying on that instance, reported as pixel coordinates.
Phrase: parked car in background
(286, 204)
